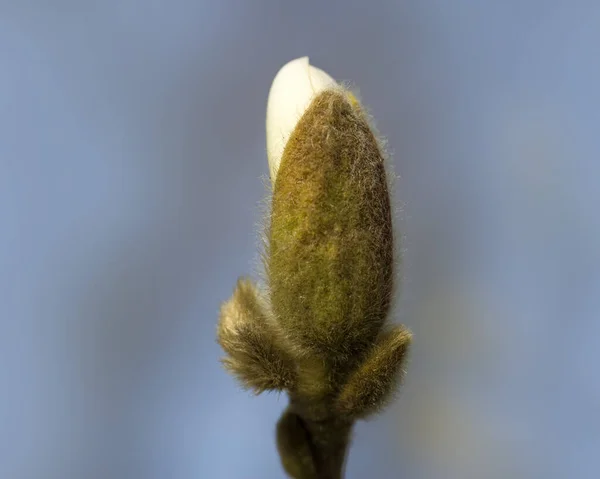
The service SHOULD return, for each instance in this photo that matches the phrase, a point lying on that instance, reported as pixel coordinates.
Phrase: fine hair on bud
(256, 352)
(372, 385)
(330, 255)
(319, 332)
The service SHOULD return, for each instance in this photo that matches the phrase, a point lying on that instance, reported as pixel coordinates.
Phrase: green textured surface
(330, 255)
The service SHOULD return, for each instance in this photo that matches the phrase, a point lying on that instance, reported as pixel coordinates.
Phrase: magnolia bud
(330, 256)
(317, 331)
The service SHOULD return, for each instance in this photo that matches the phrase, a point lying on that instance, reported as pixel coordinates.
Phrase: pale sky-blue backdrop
(131, 155)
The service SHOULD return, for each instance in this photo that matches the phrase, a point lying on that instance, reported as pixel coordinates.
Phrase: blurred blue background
(132, 165)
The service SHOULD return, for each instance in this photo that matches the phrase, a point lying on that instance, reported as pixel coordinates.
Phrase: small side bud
(372, 385)
(255, 352)
(294, 446)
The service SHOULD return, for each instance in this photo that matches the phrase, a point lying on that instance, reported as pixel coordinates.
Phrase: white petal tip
(293, 88)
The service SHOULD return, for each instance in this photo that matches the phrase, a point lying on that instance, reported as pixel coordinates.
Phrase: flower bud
(330, 255)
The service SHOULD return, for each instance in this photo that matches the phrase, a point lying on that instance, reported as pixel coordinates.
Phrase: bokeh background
(132, 167)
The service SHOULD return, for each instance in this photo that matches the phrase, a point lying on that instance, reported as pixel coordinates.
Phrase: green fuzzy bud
(330, 255)
(318, 330)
